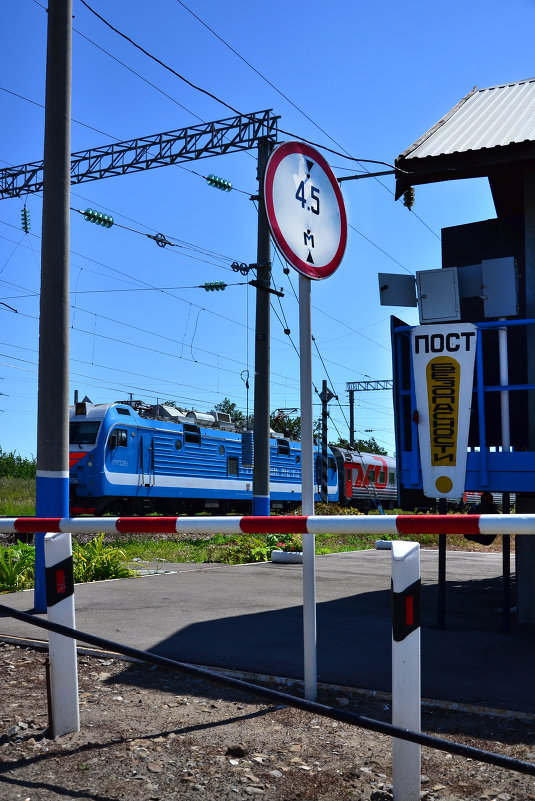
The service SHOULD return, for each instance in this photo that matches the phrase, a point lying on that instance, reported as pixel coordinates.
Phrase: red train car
(366, 480)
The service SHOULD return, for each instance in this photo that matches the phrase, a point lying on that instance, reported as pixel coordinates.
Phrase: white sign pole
(307, 218)
(307, 485)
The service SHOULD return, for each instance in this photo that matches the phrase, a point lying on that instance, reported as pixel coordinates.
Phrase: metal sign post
(307, 490)
(306, 214)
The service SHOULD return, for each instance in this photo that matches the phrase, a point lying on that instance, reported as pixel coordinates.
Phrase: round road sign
(305, 209)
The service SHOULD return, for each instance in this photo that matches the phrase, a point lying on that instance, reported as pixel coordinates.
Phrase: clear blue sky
(366, 79)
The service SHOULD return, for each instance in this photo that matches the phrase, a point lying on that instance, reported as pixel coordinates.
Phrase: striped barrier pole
(59, 581)
(381, 525)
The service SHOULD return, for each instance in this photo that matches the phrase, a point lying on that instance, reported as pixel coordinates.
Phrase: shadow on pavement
(471, 661)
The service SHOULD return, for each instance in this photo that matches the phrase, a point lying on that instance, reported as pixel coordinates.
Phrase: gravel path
(151, 735)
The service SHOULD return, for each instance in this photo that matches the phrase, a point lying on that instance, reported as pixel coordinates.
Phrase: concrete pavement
(249, 618)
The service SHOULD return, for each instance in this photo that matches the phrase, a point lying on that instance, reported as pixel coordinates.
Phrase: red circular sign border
(279, 153)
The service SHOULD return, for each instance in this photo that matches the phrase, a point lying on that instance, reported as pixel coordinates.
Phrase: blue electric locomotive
(130, 458)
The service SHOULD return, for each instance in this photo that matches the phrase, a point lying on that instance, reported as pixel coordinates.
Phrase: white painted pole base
(62, 650)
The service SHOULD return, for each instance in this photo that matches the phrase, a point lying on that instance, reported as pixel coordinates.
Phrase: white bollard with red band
(59, 581)
(406, 675)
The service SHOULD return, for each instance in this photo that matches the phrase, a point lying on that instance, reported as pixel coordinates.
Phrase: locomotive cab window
(192, 434)
(83, 433)
(119, 438)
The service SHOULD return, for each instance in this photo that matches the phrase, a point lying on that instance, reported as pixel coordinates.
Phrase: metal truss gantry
(232, 135)
(359, 386)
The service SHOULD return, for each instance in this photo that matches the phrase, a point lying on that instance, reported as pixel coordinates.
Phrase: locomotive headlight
(90, 464)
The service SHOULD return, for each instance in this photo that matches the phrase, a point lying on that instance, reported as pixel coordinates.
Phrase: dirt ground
(151, 735)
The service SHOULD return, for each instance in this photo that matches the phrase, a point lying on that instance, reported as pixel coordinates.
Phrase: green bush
(92, 562)
(16, 567)
(96, 561)
(285, 542)
(248, 549)
(13, 465)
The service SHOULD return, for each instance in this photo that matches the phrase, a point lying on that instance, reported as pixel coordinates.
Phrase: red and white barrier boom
(59, 582)
(380, 525)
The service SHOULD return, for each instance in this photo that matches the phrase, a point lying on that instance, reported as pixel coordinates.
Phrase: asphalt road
(249, 618)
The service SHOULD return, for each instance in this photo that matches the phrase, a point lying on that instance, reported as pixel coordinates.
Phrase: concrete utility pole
(262, 361)
(325, 397)
(52, 483)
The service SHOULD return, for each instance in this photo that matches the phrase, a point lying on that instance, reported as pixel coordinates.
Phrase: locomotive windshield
(83, 433)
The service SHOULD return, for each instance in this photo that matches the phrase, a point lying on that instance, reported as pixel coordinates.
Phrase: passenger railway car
(130, 458)
(366, 479)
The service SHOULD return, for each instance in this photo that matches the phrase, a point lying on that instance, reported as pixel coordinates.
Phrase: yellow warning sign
(443, 375)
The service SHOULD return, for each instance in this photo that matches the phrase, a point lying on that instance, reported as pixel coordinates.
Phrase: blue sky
(365, 79)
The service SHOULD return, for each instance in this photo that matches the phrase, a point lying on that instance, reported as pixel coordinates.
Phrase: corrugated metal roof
(495, 117)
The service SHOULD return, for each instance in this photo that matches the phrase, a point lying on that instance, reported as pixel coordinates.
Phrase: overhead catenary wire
(150, 333)
(160, 62)
(192, 171)
(345, 154)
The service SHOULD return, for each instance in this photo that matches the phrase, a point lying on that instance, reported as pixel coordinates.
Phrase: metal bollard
(406, 672)
(63, 700)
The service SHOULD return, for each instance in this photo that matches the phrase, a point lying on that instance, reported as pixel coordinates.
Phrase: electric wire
(149, 393)
(283, 325)
(138, 75)
(160, 62)
(304, 114)
(145, 332)
(129, 277)
(182, 77)
(73, 119)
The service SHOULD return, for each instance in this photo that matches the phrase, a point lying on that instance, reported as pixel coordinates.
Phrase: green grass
(17, 496)
(236, 549)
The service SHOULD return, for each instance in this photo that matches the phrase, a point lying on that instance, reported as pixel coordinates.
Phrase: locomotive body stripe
(203, 484)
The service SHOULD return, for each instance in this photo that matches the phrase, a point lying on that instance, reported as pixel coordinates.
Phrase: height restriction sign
(305, 209)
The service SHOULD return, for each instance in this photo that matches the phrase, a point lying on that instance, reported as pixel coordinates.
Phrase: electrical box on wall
(397, 290)
(438, 295)
(499, 287)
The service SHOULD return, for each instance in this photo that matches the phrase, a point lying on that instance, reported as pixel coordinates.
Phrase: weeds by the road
(92, 562)
(16, 567)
